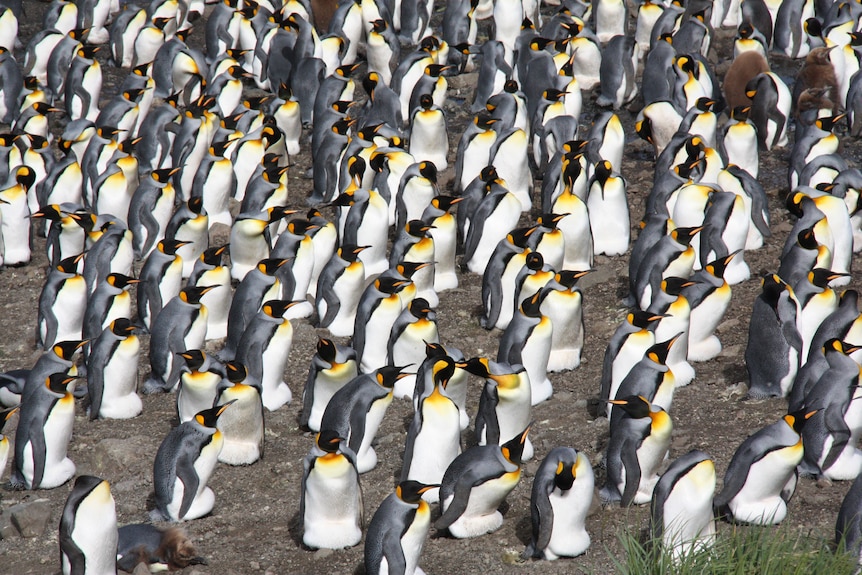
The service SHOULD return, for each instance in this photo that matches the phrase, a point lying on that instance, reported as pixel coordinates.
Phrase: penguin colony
(139, 179)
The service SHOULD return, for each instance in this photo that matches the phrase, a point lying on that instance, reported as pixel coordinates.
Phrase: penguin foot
(541, 391)
(154, 384)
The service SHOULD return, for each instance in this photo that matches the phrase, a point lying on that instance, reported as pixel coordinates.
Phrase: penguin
(725, 231)
(199, 380)
(324, 240)
(434, 436)
(242, 429)
(83, 84)
(150, 210)
(475, 485)
(5, 416)
(637, 447)
(505, 401)
(329, 473)
(617, 72)
(362, 227)
(739, 141)
(474, 149)
(657, 123)
(709, 299)
(296, 246)
(650, 377)
(182, 327)
(415, 245)
(112, 372)
(332, 367)
(264, 348)
(259, 285)
(418, 187)
(437, 357)
(378, 309)
(160, 280)
(111, 300)
(15, 216)
(339, 289)
(563, 305)
(770, 109)
(443, 232)
(189, 224)
(671, 256)
(847, 524)
(774, 343)
(625, 349)
(496, 215)
(184, 463)
(209, 270)
(124, 30)
(560, 499)
(88, 528)
(608, 209)
(160, 548)
(42, 437)
(761, 477)
(59, 359)
(62, 303)
(817, 300)
(412, 330)
(396, 533)
(429, 138)
(250, 239)
(13, 84)
(527, 341)
(356, 410)
(681, 516)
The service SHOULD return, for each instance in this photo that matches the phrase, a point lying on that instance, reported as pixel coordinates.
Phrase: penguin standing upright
(412, 330)
(198, 384)
(190, 225)
(681, 508)
(111, 300)
(496, 215)
(332, 367)
(88, 528)
(609, 212)
(444, 234)
(242, 428)
(475, 485)
(258, 286)
(183, 326)
(434, 436)
(847, 527)
(15, 216)
(563, 304)
(264, 349)
(160, 280)
(339, 289)
(43, 434)
(356, 410)
(429, 138)
(761, 477)
(209, 270)
(527, 341)
(560, 499)
(183, 465)
(150, 210)
(398, 529)
(625, 349)
(112, 372)
(617, 72)
(83, 85)
(62, 303)
(709, 300)
(329, 474)
(379, 308)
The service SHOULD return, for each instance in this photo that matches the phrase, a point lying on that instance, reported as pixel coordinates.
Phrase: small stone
(7, 530)
(823, 483)
(112, 455)
(255, 566)
(728, 325)
(731, 351)
(563, 396)
(31, 518)
(322, 553)
(512, 557)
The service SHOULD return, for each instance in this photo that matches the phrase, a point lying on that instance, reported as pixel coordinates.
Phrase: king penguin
(88, 528)
(332, 367)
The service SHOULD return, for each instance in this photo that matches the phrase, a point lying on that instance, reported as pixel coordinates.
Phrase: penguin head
(408, 269)
(70, 264)
(66, 349)
(819, 56)
(127, 146)
(531, 307)
(350, 252)
(163, 175)
(160, 23)
(674, 285)
(57, 383)
(342, 125)
(478, 366)
(828, 123)
(50, 212)
(88, 51)
(685, 235)
(797, 202)
(196, 205)
(417, 228)
(6, 415)
(277, 307)
(428, 170)
(411, 491)
(745, 30)
(535, 261)
(25, 176)
(434, 349)
(37, 142)
(120, 281)
(212, 256)
(278, 212)
(718, 267)
(301, 227)
(836, 345)
(193, 294)
(387, 375)
(170, 247)
(443, 369)
(194, 358)
(642, 319)
(326, 350)
(369, 83)
(514, 448)
(346, 70)
(484, 121)
(658, 352)
(421, 309)
(489, 174)
(821, 277)
(122, 327)
(772, 286)
(740, 113)
(637, 406)
(797, 419)
(603, 171)
(445, 203)
(379, 26)
(569, 278)
(643, 128)
(328, 440)
(209, 417)
(571, 172)
(511, 87)
(565, 474)
(705, 104)
(807, 239)
(236, 372)
(553, 95)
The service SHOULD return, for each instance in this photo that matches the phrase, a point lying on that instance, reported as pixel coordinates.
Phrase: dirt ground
(254, 528)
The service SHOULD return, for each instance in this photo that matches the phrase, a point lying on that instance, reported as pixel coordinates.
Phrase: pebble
(31, 518)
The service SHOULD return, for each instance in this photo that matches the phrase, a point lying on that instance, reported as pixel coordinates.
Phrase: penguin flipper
(470, 477)
(187, 474)
(95, 383)
(333, 305)
(69, 549)
(486, 417)
(543, 522)
(412, 432)
(51, 325)
(629, 458)
(837, 427)
(39, 450)
(394, 553)
(357, 426)
(790, 487)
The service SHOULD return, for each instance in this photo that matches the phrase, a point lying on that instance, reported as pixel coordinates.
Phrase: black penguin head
(704, 104)
(301, 227)
(50, 212)
(477, 366)
(685, 235)
(822, 276)
(443, 369)
(428, 170)
(553, 95)
(550, 220)
(637, 406)
(569, 278)
(445, 203)
(236, 371)
(194, 358)
(565, 475)
(6, 415)
(66, 349)
(350, 252)
(807, 240)
(520, 237)
(379, 25)
(797, 419)
(326, 350)
(58, 382)
(658, 353)
(642, 319)
(212, 256)
(163, 175)
(120, 281)
(411, 491)
(328, 440)
(514, 448)
(70, 265)
(417, 229)
(122, 327)
(426, 102)
(346, 70)
(420, 308)
(277, 307)
(193, 294)
(25, 176)
(531, 307)
(209, 417)
(740, 113)
(603, 171)
(828, 123)
(488, 174)
(535, 261)
(369, 83)
(796, 203)
(171, 246)
(719, 266)
(408, 269)
(836, 345)
(387, 376)
(675, 285)
(269, 266)
(277, 213)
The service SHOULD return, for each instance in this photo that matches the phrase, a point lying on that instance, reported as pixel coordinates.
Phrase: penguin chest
(69, 308)
(438, 442)
(373, 419)
(172, 280)
(332, 503)
(218, 299)
(243, 428)
(327, 382)
(569, 538)
(631, 352)
(164, 208)
(4, 451)
(414, 538)
(410, 346)
(121, 370)
(653, 450)
(538, 343)
(564, 310)
(379, 324)
(486, 497)
(348, 289)
(196, 393)
(204, 465)
(196, 334)
(120, 306)
(275, 354)
(687, 509)
(766, 479)
(95, 530)
(57, 430)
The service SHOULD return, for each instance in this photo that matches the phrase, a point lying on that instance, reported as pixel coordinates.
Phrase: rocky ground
(254, 529)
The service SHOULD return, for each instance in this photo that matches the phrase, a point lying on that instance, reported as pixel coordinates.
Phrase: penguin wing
(358, 413)
(31, 426)
(333, 304)
(511, 345)
(477, 221)
(308, 394)
(412, 432)
(837, 428)
(542, 517)
(250, 354)
(189, 476)
(607, 368)
(472, 473)
(68, 547)
(394, 335)
(632, 468)
(753, 449)
(46, 315)
(486, 417)
(99, 356)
